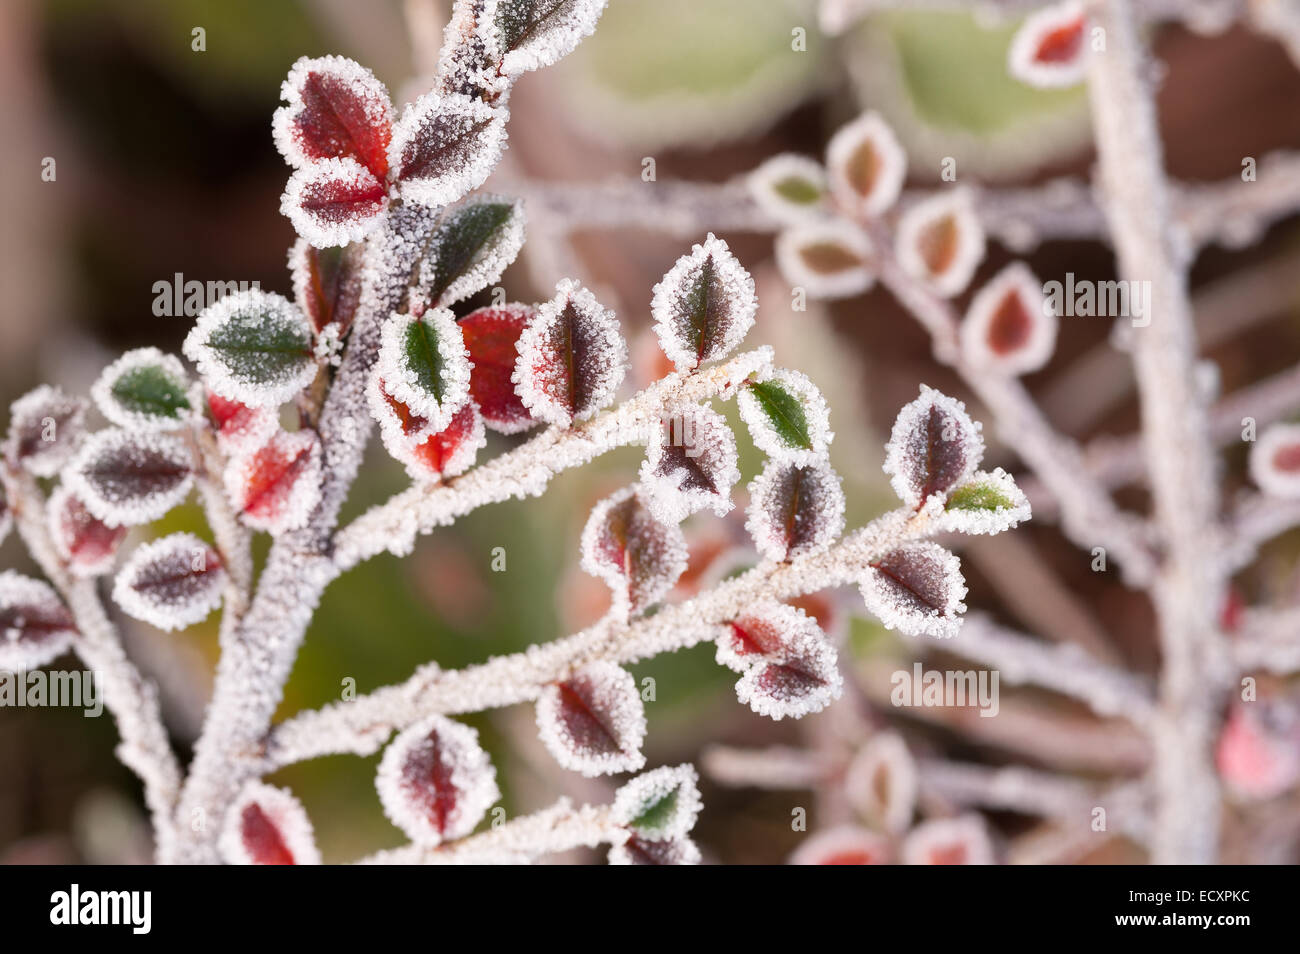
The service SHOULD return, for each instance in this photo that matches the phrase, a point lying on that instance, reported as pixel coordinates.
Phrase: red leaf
(337, 109)
(240, 427)
(845, 845)
(450, 451)
(492, 336)
(642, 851)
(795, 509)
(917, 589)
(86, 543)
(594, 721)
(35, 626)
(276, 487)
(327, 284)
(637, 555)
(268, 826)
(1061, 44)
(334, 202)
(171, 583)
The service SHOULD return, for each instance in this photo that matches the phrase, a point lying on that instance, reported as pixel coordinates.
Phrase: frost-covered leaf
(866, 166)
(1257, 754)
(639, 556)
(1049, 50)
(334, 202)
(642, 851)
(143, 389)
(989, 502)
(827, 259)
(917, 589)
(882, 782)
(843, 845)
(571, 357)
(940, 241)
(1275, 461)
(84, 542)
(35, 626)
(1010, 327)
(790, 188)
(594, 721)
(531, 34)
(172, 583)
(934, 447)
(492, 338)
(253, 347)
(949, 841)
(450, 451)
(267, 826)
(470, 248)
(788, 666)
(787, 417)
(276, 487)
(690, 464)
(400, 427)
(45, 427)
(435, 781)
(795, 509)
(661, 804)
(336, 109)
(241, 428)
(444, 146)
(130, 477)
(704, 306)
(424, 364)
(327, 284)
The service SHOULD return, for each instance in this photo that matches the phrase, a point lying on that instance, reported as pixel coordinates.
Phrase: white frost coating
(983, 519)
(594, 721)
(130, 418)
(918, 590)
(764, 185)
(402, 378)
(119, 475)
(884, 759)
(66, 517)
(275, 488)
(672, 851)
(466, 429)
(828, 259)
(399, 437)
(637, 555)
(565, 28)
(1275, 461)
(840, 844)
(795, 509)
(490, 262)
(910, 460)
(796, 674)
(727, 300)
(1023, 61)
(282, 811)
(334, 202)
(444, 146)
(262, 315)
(372, 94)
(24, 601)
(947, 269)
(866, 187)
(948, 841)
(435, 761)
(46, 427)
(690, 464)
(171, 583)
(559, 388)
(647, 791)
(817, 418)
(1009, 335)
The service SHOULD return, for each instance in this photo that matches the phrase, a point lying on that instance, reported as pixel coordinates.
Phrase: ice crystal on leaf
(334, 202)
(253, 347)
(949, 841)
(661, 804)
(172, 583)
(435, 781)
(690, 464)
(594, 721)
(336, 109)
(327, 284)
(424, 364)
(917, 589)
(843, 845)
(276, 487)
(788, 667)
(1009, 327)
(241, 428)
(704, 306)
(866, 166)
(795, 509)
(444, 146)
(571, 357)
(1275, 461)
(492, 338)
(35, 626)
(130, 477)
(531, 34)
(267, 826)
(934, 447)
(1049, 50)
(790, 188)
(940, 241)
(144, 389)
(988, 503)
(828, 259)
(882, 782)
(787, 416)
(450, 451)
(85, 543)
(639, 556)
(470, 248)
(642, 851)
(46, 427)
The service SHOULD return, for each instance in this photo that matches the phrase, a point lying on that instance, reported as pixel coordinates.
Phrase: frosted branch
(778, 767)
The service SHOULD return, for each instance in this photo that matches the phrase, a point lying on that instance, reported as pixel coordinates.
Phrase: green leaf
(150, 390)
(470, 248)
(423, 357)
(258, 346)
(796, 189)
(784, 412)
(657, 814)
(254, 347)
(979, 496)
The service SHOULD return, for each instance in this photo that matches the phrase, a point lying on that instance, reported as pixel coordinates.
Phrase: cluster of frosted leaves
(690, 464)
(267, 826)
(658, 809)
(788, 667)
(787, 417)
(35, 626)
(1275, 461)
(594, 721)
(469, 249)
(790, 188)
(125, 478)
(276, 486)
(85, 543)
(934, 447)
(1049, 51)
(253, 347)
(940, 241)
(45, 428)
(795, 509)
(1010, 326)
(424, 365)
(571, 357)
(491, 337)
(866, 166)
(881, 782)
(844, 845)
(988, 503)
(144, 389)
(638, 555)
(435, 781)
(327, 284)
(828, 259)
(963, 840)
(704, 305)
(172, 583)
(916, 589)
(240, 428)
(530, 34)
